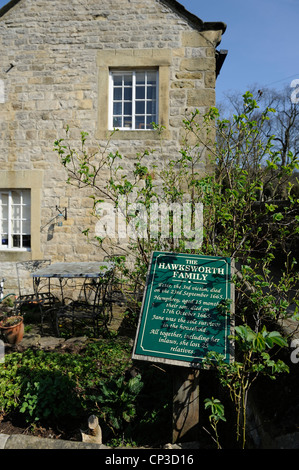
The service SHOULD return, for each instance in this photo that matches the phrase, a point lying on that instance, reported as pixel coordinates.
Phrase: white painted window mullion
(122, 101)
(145, 98)
(9, 221)
(133, 100)
(21, 220)
(110, 102)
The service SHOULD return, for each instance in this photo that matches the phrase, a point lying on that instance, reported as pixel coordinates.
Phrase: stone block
(85, 104)
(210, 79)
(194, 39)
(213, 37)
(198, 64)
(189, 75)
(201, 97)
(183, 84)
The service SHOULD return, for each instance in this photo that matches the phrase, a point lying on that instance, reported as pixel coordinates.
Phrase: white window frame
(22, 218)
(133, 127)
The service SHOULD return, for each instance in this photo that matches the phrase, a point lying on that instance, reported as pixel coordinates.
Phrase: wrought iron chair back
(28, 295)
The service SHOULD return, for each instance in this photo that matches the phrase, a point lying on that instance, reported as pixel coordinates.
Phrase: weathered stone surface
(31, 340)
(200, 97)
(199, 64)
(49, 342)
(194, 39)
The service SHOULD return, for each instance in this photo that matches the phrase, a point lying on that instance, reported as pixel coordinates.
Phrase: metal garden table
(84, 291)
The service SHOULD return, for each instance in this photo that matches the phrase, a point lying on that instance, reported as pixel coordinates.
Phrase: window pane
(16, 241)
(26, 241)
(4, 239)
(26, 197)
(140, 122)
(117, 80)
(140, 107)
(16, 212)
(128, 108)
(128, 93)
(117, 108)
(3, 200)
(151, 107)
(128, 121)
(26, 212)
(16, 197)
(117, 93)
(4, 213)
(149, 120)
(26, 226)
(151, 93)
(16, 226)
(140, 78)
(117, 122)
(128, 80)
(151, 78)
(140, 92)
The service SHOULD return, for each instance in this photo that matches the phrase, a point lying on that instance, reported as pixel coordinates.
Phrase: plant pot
(13, 329)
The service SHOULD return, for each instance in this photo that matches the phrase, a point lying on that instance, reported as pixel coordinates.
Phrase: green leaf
(259, 342)
(277, 217)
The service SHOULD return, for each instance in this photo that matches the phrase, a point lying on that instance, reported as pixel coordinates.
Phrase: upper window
(133, 99)
(15, 219)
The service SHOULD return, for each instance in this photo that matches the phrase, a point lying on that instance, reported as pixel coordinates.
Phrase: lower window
(15, 209)
(133, 99)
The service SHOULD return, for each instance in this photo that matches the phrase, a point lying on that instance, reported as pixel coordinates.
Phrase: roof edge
(8, 6)
(193, 19)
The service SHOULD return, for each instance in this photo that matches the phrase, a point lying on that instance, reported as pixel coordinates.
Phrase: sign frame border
(175, 362)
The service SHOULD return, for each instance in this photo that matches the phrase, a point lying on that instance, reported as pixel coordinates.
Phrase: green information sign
(187, 309)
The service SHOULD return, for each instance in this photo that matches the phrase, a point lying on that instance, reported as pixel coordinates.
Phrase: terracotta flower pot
(13, 329)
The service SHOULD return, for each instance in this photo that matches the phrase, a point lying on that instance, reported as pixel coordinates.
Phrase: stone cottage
(93, 66)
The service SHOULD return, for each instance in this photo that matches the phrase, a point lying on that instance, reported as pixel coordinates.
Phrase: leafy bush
(117, 401)
(50, 396)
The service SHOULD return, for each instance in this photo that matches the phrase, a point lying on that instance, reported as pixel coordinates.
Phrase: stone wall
(49, 75)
